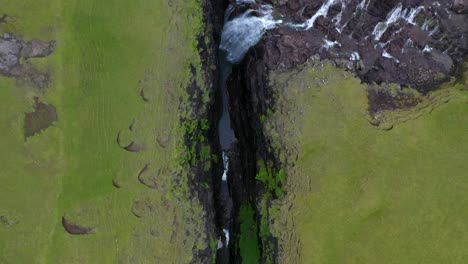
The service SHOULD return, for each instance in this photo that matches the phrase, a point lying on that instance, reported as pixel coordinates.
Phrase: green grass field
(359, 194)
(107, 51)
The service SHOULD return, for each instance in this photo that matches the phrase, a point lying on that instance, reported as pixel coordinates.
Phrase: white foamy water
(412, 15)
(329, 44)
(354, 56)
(396, 14)
(363, 5)
(434, 31)
(392, 17)
(226, 166)
(389, 56)
(241, 2)
(427, 49)
(226, 235)
(323, 11)
(245, 31)
(425, 26)
(339, 17)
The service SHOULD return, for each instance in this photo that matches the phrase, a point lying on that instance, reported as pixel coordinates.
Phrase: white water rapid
(394, 16)
(245, 31)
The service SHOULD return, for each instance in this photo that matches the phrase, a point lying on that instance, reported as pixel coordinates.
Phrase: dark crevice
(247, 97)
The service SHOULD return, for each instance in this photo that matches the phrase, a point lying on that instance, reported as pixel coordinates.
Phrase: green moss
(273, 181)
(213, 248)
(266, 237)
(248, 244)
(215, 158)
(205, 153)
(204, 124)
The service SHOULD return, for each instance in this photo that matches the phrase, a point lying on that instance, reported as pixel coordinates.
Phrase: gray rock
(37, 48)
(9, 53)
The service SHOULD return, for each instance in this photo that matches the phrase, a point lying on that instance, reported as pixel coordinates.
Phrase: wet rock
(10, 50)
(460, 6)
(422, 47)
(291, 48)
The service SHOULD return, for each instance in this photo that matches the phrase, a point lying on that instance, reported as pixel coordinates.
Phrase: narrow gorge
(417, 44)
(234, 131)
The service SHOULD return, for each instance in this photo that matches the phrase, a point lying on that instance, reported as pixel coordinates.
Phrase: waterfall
(387, 55)
(241, 2)
(396, 14)
(245, 31)
(226, 166)
(392, 17)
(323, 11)
(364, 5)
(329, 44)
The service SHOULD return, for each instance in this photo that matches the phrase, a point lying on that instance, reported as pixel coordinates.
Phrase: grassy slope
(107, 51)
(364, 195)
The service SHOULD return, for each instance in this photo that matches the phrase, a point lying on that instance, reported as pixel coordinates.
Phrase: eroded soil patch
(75, 229)
(8, 220)
(383, 98)
(44, 116)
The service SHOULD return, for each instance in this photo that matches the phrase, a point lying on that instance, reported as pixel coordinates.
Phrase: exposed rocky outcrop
(415, 43)
(382, 98)
(14, 59)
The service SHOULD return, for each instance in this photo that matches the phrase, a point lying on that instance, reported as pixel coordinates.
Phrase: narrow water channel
(238, 35)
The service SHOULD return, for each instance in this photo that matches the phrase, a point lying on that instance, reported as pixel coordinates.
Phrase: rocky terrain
(233, 131)
(412, 43)
(401, 51)
(14, 59)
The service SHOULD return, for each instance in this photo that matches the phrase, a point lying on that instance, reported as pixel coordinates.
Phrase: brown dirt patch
(8, 221)
(75, 229)
(148, 178)
(43, 116)
(143, 96)
(143, 207)
(163, 140)
(383, 99)
(3, 19)
(116, 184)
(132, 147)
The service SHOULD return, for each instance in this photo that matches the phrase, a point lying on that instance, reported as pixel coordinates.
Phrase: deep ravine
(238, 35)
(365, 37)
